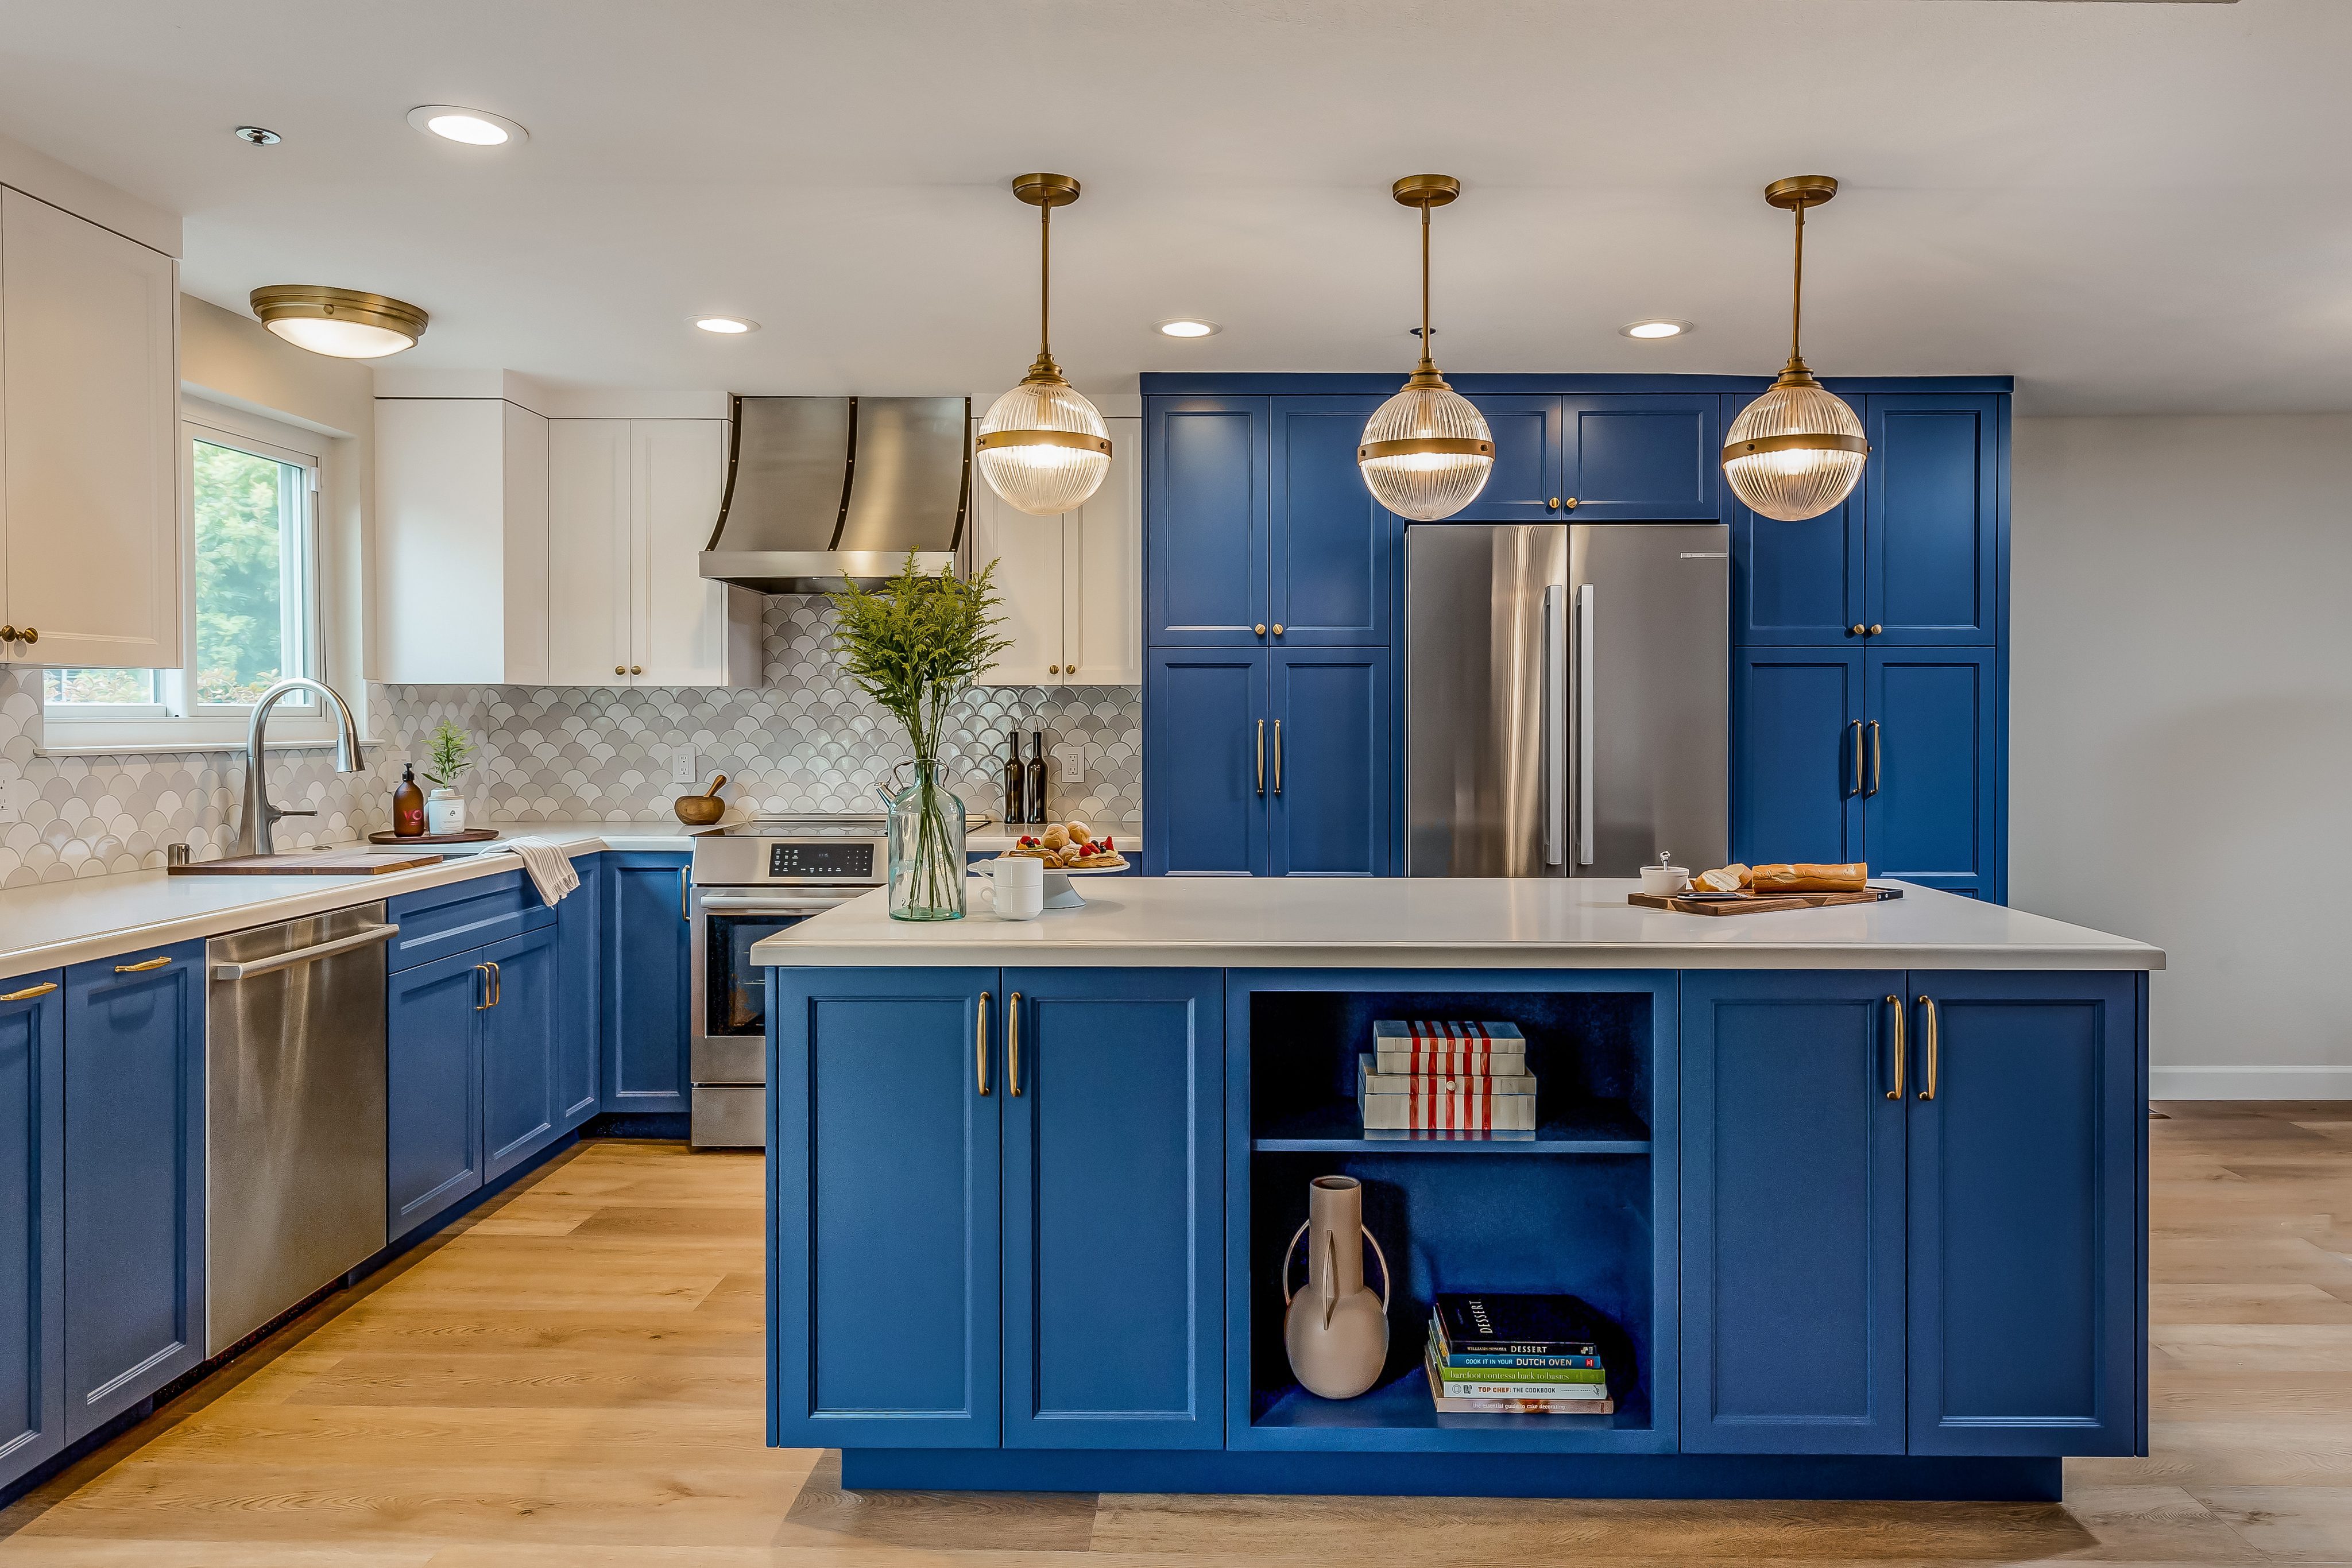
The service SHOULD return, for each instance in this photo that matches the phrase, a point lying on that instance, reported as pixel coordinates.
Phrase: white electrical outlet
(8, 811)
(681, 766)
(1071, 758)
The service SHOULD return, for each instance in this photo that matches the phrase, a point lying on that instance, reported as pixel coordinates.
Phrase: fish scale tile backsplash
(806, 739)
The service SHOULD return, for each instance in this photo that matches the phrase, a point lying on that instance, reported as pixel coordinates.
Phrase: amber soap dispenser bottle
(408, 806)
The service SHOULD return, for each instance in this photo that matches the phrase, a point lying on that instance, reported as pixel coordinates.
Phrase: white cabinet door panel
(89, 373)
(1102, 640)
(683, 620)
(589, 549)
(1028, 555)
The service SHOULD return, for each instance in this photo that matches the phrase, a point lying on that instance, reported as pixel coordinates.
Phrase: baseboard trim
(2250, 1083)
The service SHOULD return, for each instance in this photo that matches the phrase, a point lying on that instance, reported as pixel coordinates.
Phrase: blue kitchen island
(1863, 1190)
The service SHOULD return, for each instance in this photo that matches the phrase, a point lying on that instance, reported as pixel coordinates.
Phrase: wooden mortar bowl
(698, 810)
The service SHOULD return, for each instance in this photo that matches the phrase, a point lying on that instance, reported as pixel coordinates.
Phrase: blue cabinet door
(1524, 485)
(1798, 584)
(32, 1221)
(1332, 551)
(1933, 485)
(1929, 794)
(885, 1089)
(1327, 763)
(580, 982)
(2024, 1201)
(1205, 727)
(1641, 457)
(645, 987)
(433, 1120)
(1114, 1299)
(1792, 1213)
(1205, 521)
(1799, 763)
(134, 1202)
(519, 1029)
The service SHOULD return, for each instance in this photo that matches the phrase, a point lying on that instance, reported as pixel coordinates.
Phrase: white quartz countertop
(1446, 923)
(57, 922)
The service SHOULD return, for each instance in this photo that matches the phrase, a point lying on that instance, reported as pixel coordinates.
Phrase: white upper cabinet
(588, 557)
(461, 545)
(91, 458)
(1072, 585)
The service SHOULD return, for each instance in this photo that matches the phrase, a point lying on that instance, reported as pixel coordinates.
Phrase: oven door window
(738, 1002)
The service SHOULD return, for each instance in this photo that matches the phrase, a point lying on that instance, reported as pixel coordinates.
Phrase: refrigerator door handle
(1585, 597)
(1555, 725)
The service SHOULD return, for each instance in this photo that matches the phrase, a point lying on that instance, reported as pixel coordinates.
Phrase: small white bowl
(1663, 881)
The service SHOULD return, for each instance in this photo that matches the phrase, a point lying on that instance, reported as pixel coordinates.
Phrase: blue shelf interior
(1489, 1217)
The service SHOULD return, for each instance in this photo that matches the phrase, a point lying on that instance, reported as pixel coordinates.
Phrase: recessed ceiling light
(1189, 326)
(474, 127)
(1657, 327)
(259, 136)
(725, 326)
(343, 323)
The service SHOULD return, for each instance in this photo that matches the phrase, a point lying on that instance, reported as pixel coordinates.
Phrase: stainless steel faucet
(253, 834)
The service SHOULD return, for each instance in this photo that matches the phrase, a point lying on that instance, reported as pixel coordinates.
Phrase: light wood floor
(574, 1377)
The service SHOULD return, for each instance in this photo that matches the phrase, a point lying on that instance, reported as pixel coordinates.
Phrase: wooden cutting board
(310, 862)
(1758, 903)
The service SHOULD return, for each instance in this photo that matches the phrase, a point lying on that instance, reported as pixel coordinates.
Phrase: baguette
(1807, 877)
(1727, 879)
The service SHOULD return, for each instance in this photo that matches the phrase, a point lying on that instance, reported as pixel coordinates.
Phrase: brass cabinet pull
(1277, 757)
(30, 635)
(620, 669)
(1857, 630)
(684, 885)
(1052, 669)
(1012, 1044)
(1928, 1020)
(1877, 761)
(1855, 725)
(1554, 503)
(7, 633)
(637, 669)
(497, 985)
(1261, 757)
(1901, 1049)
(1877, 630)
(979, 1046)
(1069, 669)
(141, 968)
(1569, 504)
(1259, 628)
(1278, 627)
(483, 970)
(29, 992)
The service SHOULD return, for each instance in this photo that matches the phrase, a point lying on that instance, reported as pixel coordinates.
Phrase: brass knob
(1569, 504)
(31, 634)
(1052, 669)
(1876, 630)
(623, 669)
(7, 633)
(637, 669)
(1278, 627)
(1259, 628)
(1069, 669)
(1859, 629)
(1553, 503)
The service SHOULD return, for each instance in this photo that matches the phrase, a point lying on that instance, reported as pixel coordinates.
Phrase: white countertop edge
(810, 954)
(279, 898)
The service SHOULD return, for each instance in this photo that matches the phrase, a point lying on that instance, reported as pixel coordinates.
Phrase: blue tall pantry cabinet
(1869, 707)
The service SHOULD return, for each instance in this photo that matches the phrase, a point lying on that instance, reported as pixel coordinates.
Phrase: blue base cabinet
(1911, 1213)
(32, 1221)
(134, 1226)
(432, 1115)
(985, 1229)
(521, 1104)
(578, 1013)
(646, 995)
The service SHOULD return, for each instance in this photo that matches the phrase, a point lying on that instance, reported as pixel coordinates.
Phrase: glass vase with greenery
(915, 645)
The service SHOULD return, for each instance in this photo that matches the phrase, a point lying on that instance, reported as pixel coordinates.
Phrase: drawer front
(462, 917)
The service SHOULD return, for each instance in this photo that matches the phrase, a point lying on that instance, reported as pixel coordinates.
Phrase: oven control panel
(849, 860)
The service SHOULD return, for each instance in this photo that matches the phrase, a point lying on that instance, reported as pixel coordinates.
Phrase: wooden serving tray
(1758, 903)
(470, 836)
(307, 863)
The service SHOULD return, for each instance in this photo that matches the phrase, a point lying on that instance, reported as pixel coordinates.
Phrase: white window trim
(293, 725)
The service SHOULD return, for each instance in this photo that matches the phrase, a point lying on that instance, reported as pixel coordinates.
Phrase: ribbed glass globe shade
(1044, 480)
(1795, 483)
(1426, 485)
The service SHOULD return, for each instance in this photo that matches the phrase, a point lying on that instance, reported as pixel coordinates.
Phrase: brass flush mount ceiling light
(1042, 446)
(1795, 452)
(342, 323)
(1426, 451)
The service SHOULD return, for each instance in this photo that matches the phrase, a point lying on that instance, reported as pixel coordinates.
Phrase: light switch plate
(1070, 761)
(681, 766)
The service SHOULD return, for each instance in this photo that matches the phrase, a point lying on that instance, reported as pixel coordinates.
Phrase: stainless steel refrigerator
(1567, 698)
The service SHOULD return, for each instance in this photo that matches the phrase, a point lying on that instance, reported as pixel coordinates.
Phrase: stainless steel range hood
(820, 489)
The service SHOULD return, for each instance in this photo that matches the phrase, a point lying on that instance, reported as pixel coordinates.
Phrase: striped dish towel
(549, 867)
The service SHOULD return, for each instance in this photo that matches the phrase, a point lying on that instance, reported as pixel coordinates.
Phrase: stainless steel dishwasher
(294, 1114)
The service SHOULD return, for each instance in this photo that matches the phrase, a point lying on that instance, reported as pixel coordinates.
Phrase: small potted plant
(915, 645)
(448, 755)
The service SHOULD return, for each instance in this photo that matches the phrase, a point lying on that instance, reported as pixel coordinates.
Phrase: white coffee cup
(1020, 887)
(1665, 880)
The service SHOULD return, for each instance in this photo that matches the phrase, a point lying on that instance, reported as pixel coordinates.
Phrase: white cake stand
(1059, 894)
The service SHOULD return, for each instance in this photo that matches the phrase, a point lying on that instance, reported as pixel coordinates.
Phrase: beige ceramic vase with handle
(1336, 1330)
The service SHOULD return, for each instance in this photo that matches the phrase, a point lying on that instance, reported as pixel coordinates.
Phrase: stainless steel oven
(751, 881)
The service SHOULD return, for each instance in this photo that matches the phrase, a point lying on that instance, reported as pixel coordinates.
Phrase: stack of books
(1518, 1355)
(1428, 1078)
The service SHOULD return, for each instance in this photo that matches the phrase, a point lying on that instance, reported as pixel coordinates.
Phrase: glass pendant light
(1797, 450)
(1426, 451)
(1043, 447)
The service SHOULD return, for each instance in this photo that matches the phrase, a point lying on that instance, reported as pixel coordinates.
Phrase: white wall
(2181, 730)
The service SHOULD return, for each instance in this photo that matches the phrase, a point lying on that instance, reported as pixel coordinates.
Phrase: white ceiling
(2131, 207)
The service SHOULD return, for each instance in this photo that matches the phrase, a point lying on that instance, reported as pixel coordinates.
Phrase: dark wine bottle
(1016, 780)
(1037, 791)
